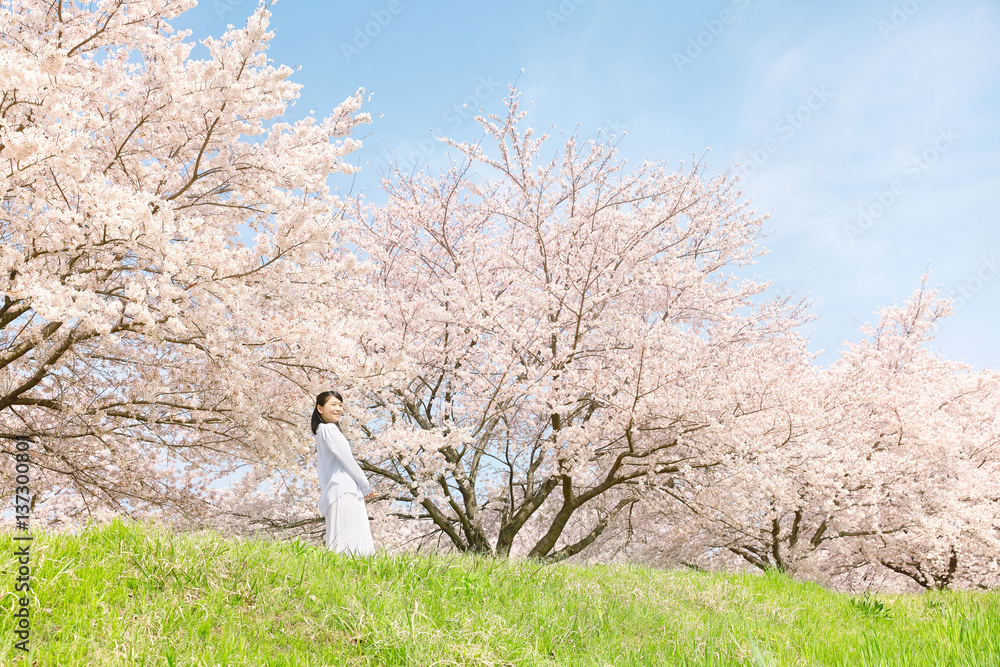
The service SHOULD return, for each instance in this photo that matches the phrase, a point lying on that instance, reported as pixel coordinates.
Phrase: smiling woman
(342, 483)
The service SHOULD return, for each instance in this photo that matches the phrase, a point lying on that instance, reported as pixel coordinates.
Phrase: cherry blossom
(144, 346)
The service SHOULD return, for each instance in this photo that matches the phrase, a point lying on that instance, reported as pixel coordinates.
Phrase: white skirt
(347, 529)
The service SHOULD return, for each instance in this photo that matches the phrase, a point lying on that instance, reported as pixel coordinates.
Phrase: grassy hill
(134, 594)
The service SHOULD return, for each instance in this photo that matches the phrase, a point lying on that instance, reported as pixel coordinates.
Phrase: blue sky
(868, 130)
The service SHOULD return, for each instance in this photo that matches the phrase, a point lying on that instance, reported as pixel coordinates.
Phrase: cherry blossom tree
(545, 352)
(929, 427)
(884, 462)
(570, 335)
(145, 346)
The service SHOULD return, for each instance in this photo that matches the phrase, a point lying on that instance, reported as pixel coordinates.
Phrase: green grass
(135, 594)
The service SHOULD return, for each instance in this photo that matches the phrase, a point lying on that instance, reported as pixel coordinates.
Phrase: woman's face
(332, 411)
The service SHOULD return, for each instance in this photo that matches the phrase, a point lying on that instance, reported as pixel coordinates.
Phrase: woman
(343, 486)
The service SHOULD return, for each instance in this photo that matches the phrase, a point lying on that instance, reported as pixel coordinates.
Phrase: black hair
(321, 399)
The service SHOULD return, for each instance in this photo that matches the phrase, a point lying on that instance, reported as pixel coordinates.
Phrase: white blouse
(338, 472)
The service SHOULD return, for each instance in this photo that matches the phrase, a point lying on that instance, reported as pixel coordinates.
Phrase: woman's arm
(338, 446)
